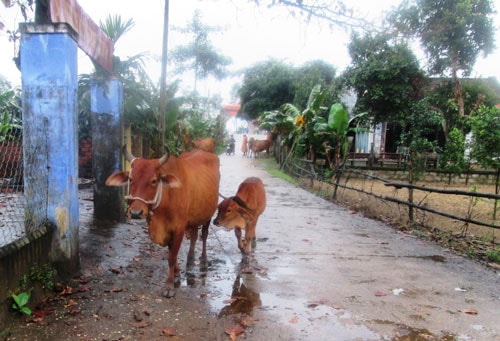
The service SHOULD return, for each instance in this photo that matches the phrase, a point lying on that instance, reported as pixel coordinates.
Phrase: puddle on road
(236, 294)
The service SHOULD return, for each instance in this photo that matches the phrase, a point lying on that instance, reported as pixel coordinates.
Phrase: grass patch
(493, 256)
(273, 168)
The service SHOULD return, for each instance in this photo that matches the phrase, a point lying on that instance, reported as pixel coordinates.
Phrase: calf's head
(233, 213)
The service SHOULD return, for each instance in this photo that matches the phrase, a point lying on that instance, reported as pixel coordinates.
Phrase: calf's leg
(237, 233)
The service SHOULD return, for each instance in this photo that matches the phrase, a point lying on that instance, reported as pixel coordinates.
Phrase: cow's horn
(165, 157)
(128, 155)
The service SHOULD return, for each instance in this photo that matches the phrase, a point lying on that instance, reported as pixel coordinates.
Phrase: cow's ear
(117, 179)
(171, 180)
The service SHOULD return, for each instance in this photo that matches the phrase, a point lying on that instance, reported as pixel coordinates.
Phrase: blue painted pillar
(49, 95)
(106, 106)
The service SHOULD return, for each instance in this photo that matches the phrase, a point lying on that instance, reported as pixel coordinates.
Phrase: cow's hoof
(169, 293)
(245, 259)
(203, 264)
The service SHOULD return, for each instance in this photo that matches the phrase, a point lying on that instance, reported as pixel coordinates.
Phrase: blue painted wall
(49, 83)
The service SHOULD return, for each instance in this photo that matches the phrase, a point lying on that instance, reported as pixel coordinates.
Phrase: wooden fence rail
(306, 169)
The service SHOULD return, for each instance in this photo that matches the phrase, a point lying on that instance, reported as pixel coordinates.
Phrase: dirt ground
(320, 272)
(471, 239)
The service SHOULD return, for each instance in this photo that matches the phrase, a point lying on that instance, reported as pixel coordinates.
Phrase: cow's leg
(237, 233)
(193, 237)
(204, 236)
(173, 265)
(249, 240)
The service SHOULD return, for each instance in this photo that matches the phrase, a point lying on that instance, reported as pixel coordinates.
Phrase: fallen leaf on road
(380, 293)
(169, 331)
(70, 303)
(67, 290)
(470, 311)
(141, 324)
(116, 270)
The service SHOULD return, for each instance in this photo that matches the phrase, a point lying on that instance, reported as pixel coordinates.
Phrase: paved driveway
(329, 272)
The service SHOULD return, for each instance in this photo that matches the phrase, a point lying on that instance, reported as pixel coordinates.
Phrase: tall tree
(266, 86)
(385, 76)
(453, 33)
(316, 72)
(199, 55)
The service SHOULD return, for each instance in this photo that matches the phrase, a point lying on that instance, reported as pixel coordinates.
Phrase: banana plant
(335, 130)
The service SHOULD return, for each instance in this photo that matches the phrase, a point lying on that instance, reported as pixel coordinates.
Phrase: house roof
(230, 109)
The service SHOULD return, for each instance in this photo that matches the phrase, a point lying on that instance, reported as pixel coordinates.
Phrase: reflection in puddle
(287, 316)
(243, 299)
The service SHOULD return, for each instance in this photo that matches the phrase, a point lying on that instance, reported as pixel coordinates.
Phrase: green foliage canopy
(452, 32)
(266, 86)
(386, 77)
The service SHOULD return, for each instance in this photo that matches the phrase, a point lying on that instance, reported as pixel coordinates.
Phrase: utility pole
(163, 80)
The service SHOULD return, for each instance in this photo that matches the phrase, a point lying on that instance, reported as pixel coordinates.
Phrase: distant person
(244, 145)
(230, 146)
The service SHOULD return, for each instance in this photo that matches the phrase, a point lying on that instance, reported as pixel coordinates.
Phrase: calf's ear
(117, 179)
(171, 180)
(243, 212)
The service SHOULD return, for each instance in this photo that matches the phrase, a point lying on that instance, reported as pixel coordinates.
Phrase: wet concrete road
(319, 272)
(336, 275)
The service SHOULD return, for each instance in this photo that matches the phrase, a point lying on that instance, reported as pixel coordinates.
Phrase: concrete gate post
(107, 140)
(49, 96)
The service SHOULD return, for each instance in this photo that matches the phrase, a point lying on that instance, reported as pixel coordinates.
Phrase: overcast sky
(252, 34)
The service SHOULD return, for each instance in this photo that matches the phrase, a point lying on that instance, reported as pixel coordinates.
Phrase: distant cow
(207, 144)
(242, 212)
(176, 195)
(257, 146)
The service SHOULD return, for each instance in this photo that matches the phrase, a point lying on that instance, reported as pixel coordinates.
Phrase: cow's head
(233, 213)
(146, 183)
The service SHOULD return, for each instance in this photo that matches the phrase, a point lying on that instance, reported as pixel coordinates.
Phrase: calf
(242, 212)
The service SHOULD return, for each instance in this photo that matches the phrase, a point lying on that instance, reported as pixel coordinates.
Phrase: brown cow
(257, 146)
(207, 144)
(176, 195)
(242, 212)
